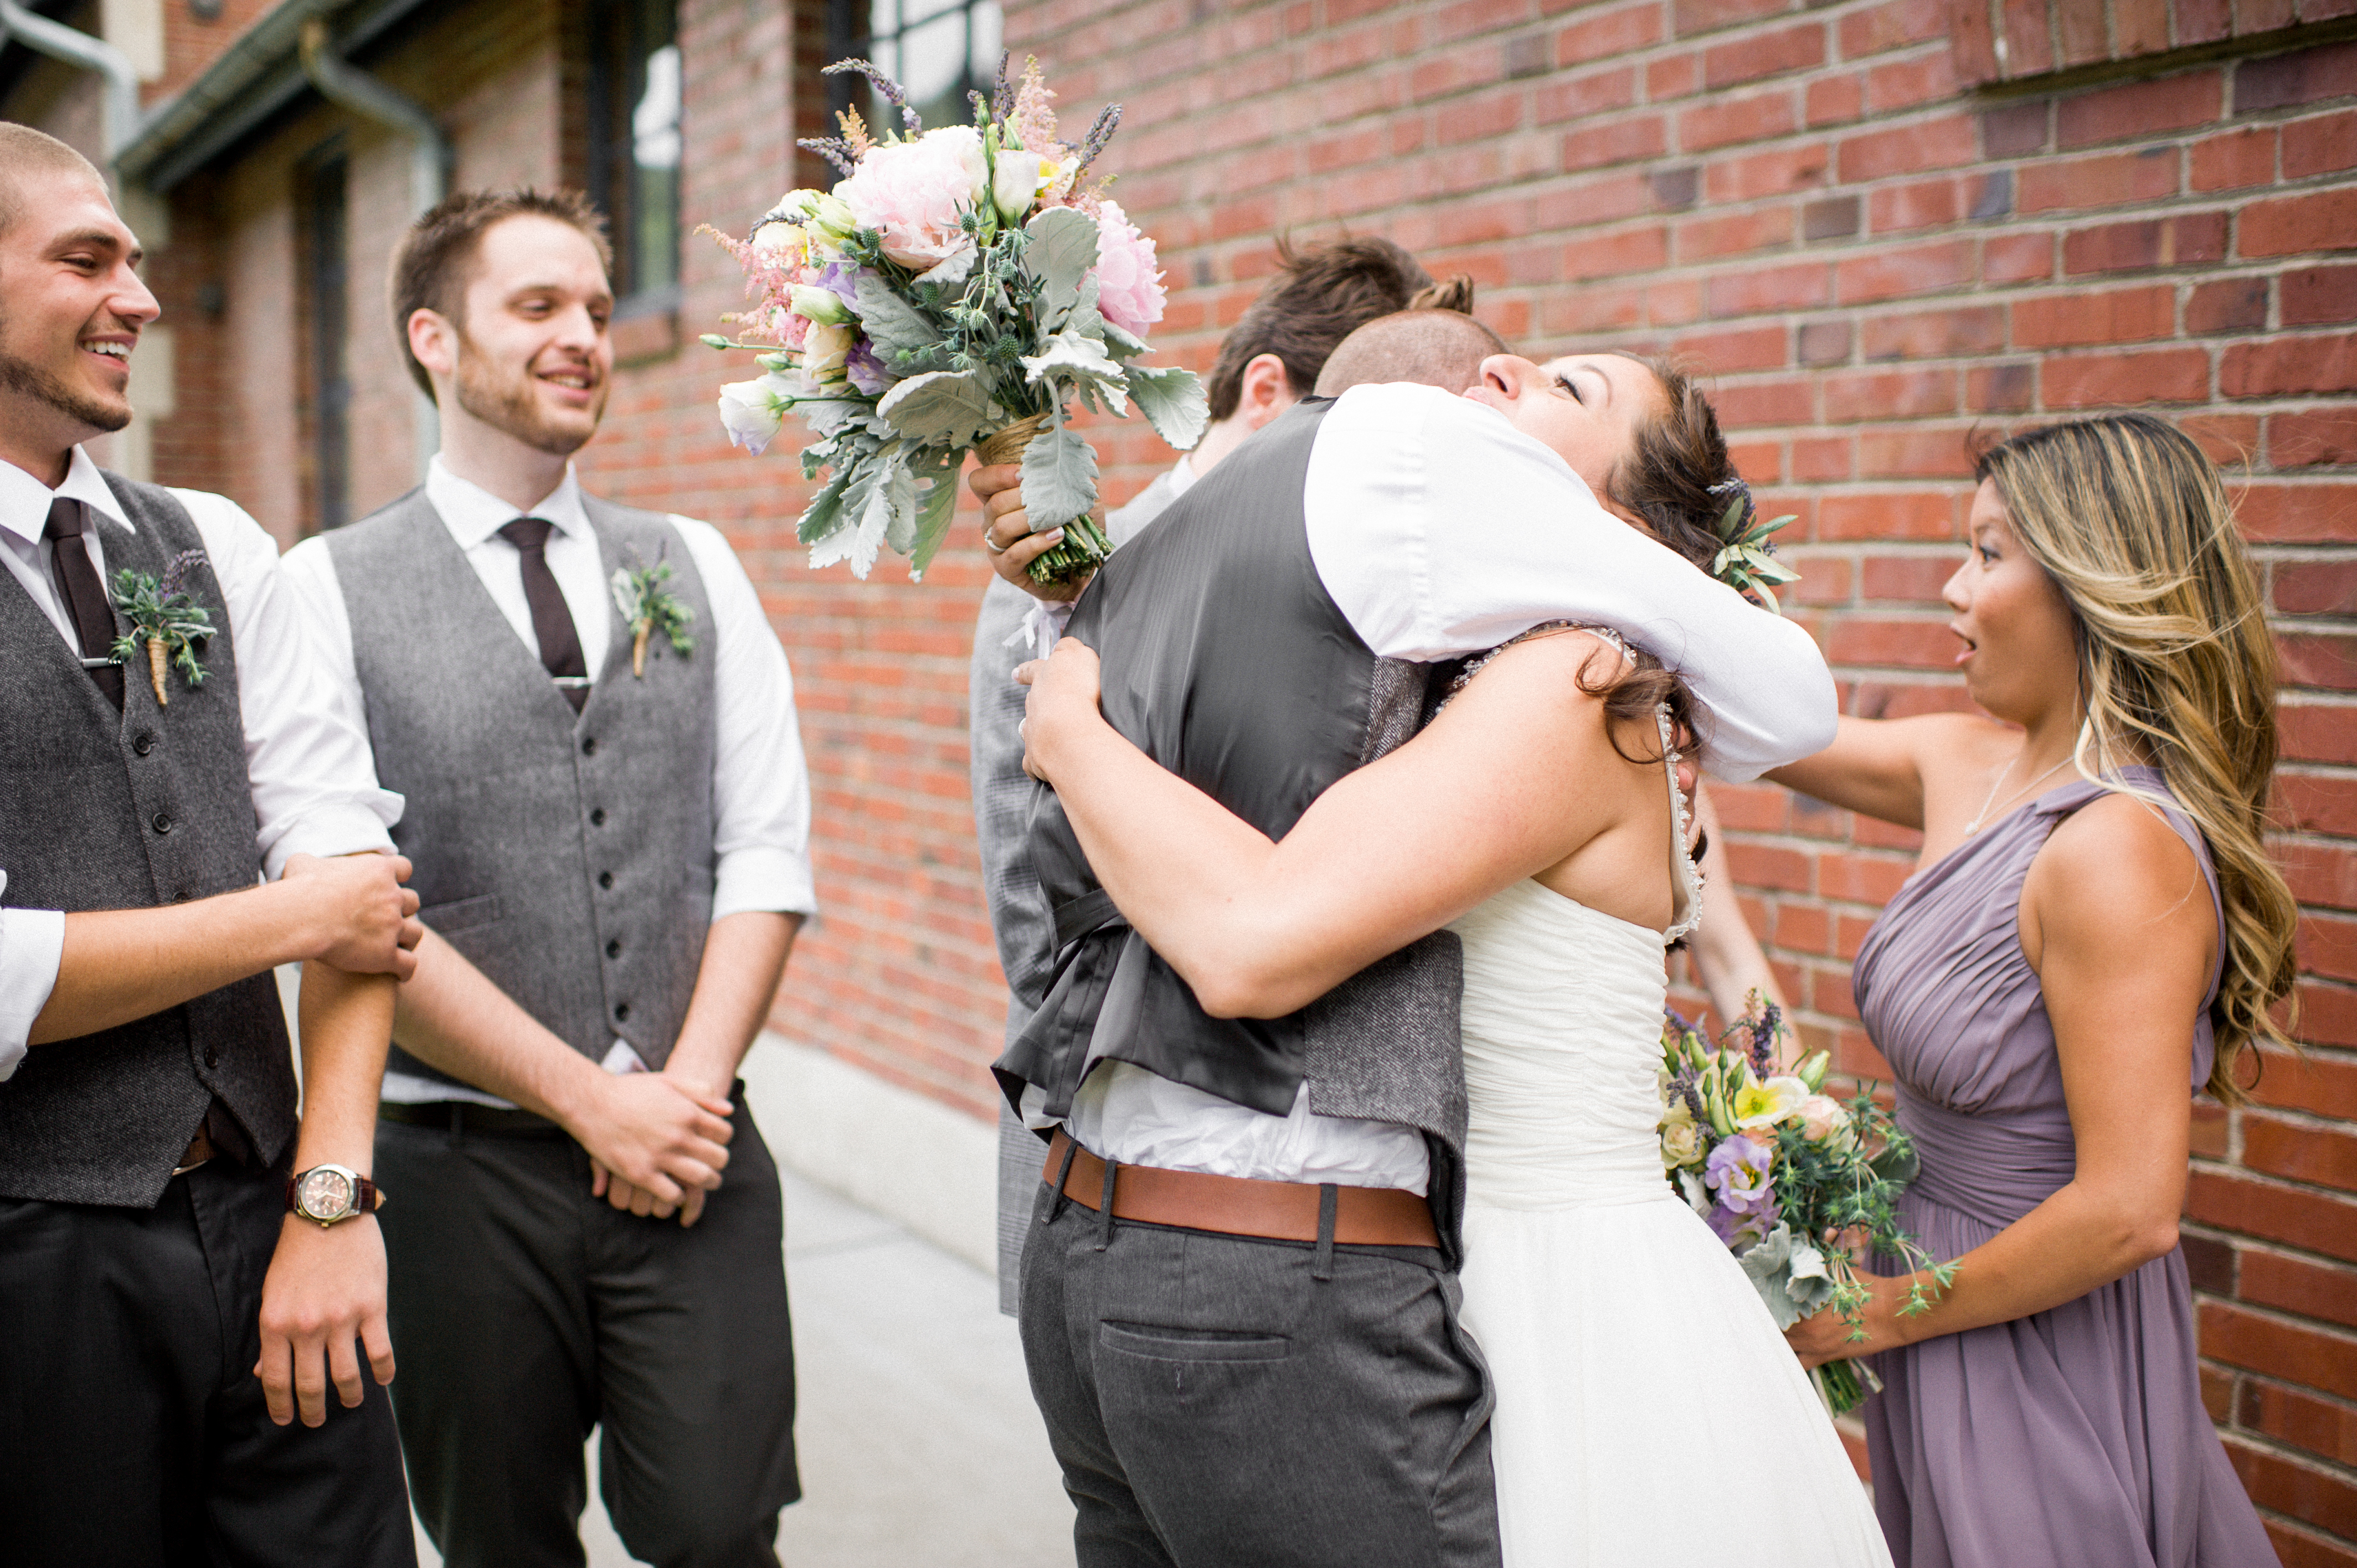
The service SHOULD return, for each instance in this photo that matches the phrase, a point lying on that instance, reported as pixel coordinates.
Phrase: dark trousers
(526, 1312)
(1215, 1403)
(133, 1431)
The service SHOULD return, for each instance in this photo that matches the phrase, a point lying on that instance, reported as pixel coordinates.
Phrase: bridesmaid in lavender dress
(2094, 928)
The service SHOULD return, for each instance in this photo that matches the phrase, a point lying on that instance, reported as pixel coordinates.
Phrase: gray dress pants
(525, 1312)
(1216, 1403)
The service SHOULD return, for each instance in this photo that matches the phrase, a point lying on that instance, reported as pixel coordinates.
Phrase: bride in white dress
(1647, 1411)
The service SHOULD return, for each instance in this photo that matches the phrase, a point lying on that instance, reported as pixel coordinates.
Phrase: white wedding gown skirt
(1647, 1411)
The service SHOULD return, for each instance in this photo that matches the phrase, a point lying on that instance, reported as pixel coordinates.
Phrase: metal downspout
(61, 42)
(354, 90)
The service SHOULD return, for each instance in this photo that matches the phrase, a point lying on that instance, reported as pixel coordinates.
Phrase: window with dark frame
(327, 287)
(634, 144)
(939, 49)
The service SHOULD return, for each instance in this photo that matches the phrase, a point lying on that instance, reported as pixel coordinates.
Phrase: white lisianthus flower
(779, 243)
(1765, 1104)
(752, 412)
(823, 306)
(1014, 185)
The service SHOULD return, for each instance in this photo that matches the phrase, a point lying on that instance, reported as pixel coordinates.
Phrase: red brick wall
(1875, 261)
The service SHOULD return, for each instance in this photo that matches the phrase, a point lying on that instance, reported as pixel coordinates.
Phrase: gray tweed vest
(129, 811)
(570, 858)
(1227, 662)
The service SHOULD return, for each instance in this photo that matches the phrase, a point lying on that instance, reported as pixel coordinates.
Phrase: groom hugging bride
(1363, 835)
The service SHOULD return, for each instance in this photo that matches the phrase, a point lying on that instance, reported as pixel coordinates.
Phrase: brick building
(1882, 224)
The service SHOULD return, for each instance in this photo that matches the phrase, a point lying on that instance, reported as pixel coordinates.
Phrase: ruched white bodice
(1562, 1028)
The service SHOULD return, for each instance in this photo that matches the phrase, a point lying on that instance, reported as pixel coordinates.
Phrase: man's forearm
(452, 1016)
(123, 964)
(744, 956)
(347, 1021)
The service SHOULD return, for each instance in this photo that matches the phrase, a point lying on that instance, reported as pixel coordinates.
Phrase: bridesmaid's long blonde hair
(2176, 664)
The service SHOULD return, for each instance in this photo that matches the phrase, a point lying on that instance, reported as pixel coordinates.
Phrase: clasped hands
(657, 1144)
(357, 912)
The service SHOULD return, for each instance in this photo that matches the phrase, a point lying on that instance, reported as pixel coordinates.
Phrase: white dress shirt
(307, 761)
(1439, 530)
(760, 788)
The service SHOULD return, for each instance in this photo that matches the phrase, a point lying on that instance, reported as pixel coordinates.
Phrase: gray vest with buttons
(570, 858)
(131, 811)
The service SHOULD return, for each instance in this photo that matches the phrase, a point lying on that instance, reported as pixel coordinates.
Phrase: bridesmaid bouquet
(1789, 1178)
(957, 291)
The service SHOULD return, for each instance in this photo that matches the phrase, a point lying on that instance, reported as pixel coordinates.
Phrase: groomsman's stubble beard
(26, 378)
(507, 403)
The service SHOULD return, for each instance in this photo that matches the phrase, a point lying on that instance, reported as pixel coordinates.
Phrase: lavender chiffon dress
(2076, 1437)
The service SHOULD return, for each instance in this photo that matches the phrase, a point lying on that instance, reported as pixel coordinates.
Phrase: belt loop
(1328, 1199)
(1105, 1215)
(1063, 1174)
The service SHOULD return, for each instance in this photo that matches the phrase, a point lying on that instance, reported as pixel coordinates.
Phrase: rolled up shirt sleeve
(1440, 530)
(307, 752)
(32, 943)
(761, 783)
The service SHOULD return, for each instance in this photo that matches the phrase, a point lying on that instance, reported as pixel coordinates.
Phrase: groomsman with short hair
(192, 1282)
(594, 726)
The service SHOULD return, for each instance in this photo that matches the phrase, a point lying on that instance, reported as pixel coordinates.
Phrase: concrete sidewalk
(920, 1446)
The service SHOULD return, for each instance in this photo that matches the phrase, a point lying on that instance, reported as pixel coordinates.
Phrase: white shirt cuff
(327, 831)
(776, 881)
(32, 944)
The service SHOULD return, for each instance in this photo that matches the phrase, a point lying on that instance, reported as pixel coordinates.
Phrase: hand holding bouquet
(957, 291)
(1787, 1177)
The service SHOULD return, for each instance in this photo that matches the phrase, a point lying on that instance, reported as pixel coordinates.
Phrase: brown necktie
(84, 596)
(551, 623)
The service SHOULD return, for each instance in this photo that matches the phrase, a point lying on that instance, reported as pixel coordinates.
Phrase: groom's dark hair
(1320, 298)
(429, 271)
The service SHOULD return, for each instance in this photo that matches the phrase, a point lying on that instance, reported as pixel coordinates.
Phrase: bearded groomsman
(185, 1267)
(594, 727)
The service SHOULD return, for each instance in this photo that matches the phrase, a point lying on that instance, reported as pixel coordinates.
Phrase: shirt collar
(473, 514)
(25, 500)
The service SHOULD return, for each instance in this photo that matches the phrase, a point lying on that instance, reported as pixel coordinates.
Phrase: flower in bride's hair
(1129, 288)
(1765, 1104)
(1736, 1172)
(916, 194)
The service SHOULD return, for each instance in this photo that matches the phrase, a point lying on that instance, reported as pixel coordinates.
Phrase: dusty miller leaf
(892, 324)
(1172, 401)
(1059, 476)
(940, 408)
(935, 506)
(1063, 249)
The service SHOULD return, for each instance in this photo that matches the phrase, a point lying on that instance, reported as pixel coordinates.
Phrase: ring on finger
(991, 544)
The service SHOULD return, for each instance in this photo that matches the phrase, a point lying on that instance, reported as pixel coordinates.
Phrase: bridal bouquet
(1788, 1176)
(957, 291)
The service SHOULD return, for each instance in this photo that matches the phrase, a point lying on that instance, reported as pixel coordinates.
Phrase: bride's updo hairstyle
(2176, 664)
(1665, 483)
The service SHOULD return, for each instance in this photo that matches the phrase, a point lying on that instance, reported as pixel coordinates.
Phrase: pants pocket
(1160, 1344)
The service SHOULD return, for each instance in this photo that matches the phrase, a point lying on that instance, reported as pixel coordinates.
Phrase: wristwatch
(326, 1193)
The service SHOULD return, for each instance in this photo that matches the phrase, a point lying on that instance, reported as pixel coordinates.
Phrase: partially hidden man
(192, 1281)
(592, 725)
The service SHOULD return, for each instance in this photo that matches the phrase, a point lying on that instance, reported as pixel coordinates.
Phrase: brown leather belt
(1235, 1206)
(199, 1151)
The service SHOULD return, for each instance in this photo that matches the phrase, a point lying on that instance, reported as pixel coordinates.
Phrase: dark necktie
(84, 596)
(552, 622)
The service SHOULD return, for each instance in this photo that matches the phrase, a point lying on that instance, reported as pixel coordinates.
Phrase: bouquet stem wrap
(1085, 545)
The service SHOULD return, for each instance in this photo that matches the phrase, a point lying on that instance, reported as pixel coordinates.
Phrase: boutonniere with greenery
(1747, 561)
(647, 607)
(166, 618)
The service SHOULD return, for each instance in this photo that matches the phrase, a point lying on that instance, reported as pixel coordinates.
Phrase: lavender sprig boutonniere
(647, 607)
(166, 618)
(1747, 561)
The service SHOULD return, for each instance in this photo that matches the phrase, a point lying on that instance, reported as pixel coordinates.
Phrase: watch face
(324, 1194)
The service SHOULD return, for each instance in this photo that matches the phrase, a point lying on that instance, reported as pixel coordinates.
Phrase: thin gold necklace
(1975, 825)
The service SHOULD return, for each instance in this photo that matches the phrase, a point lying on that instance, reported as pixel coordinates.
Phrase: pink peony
(914, 193)
(1129, 289)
